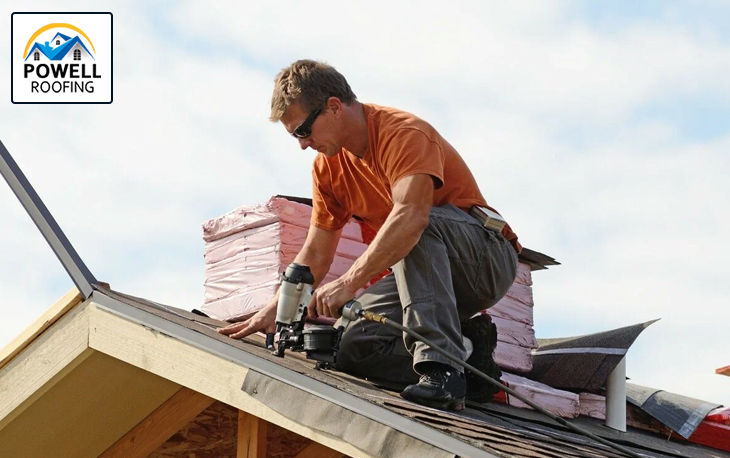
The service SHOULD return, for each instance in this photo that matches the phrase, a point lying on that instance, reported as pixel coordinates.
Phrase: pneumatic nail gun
(319, 342)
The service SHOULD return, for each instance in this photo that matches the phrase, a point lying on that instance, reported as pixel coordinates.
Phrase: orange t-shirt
(399, 145)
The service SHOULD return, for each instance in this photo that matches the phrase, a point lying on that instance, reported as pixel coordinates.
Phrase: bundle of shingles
(513, 318)
(247, 249)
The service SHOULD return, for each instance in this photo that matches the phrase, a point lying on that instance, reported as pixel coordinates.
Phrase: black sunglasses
(304, 129)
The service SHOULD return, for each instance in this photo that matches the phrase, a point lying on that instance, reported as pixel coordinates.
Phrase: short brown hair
(309, 82)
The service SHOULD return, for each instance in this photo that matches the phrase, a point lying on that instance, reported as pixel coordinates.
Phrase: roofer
(395, 172)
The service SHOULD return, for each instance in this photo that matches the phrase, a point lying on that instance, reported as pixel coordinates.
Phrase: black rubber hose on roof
(381, 319)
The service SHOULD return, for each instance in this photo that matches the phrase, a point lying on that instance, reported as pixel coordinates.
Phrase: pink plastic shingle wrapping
(593, 405)
(515, 333)
(247, 249)
(562, 403)
(276, 209)
(513, 317)
(514, 358)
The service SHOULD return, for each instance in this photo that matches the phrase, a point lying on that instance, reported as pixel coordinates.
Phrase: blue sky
(600, 130)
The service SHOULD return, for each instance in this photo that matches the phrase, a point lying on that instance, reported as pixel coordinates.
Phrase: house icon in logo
(61, 48)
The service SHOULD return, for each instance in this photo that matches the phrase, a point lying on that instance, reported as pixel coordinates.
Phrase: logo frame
(111, 58)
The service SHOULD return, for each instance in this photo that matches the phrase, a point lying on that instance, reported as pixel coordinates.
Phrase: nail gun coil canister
(320, 338)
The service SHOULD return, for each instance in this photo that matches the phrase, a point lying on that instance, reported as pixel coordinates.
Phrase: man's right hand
(264, 320)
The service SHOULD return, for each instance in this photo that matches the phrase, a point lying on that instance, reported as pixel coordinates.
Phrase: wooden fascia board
(193, 368)
(43, 362)
(49, 317)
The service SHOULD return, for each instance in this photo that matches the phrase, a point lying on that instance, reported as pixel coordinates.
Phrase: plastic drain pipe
(616, 398)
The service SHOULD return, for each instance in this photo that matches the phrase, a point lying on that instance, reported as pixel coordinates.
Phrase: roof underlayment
(681, 413)
(583, 362)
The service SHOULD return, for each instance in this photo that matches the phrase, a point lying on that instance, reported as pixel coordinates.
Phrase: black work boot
(441, 387)
(483, 335)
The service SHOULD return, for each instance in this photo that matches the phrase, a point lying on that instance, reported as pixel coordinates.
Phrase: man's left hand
(329, 298)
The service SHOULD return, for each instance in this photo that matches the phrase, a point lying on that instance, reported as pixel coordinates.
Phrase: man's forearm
(396, 238)
(318, 264)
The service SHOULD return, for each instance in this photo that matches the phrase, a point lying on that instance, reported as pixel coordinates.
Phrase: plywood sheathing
(213, 434)
(285, 444)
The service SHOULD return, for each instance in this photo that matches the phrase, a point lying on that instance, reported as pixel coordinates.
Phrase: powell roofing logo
(66, 55)
(60, 63)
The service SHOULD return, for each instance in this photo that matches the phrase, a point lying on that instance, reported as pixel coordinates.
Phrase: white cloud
(515, 56)
(541, 104)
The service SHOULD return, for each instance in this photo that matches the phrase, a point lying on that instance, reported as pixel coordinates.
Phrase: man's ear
(334, 104)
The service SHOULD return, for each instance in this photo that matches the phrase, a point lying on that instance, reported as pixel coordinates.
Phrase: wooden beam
(251, 436)
(317, 450)
(50, 316)
(160, 425)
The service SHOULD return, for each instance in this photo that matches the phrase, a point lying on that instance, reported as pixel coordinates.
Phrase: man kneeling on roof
(394, 171)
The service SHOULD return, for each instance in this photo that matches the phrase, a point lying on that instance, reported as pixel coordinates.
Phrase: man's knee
(353, 350)
(380, 358)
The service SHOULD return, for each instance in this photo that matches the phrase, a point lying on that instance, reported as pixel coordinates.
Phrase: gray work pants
(455, 270)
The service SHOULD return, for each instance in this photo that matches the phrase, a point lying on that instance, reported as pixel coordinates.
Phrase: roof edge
(334, 395)
(70, 300)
